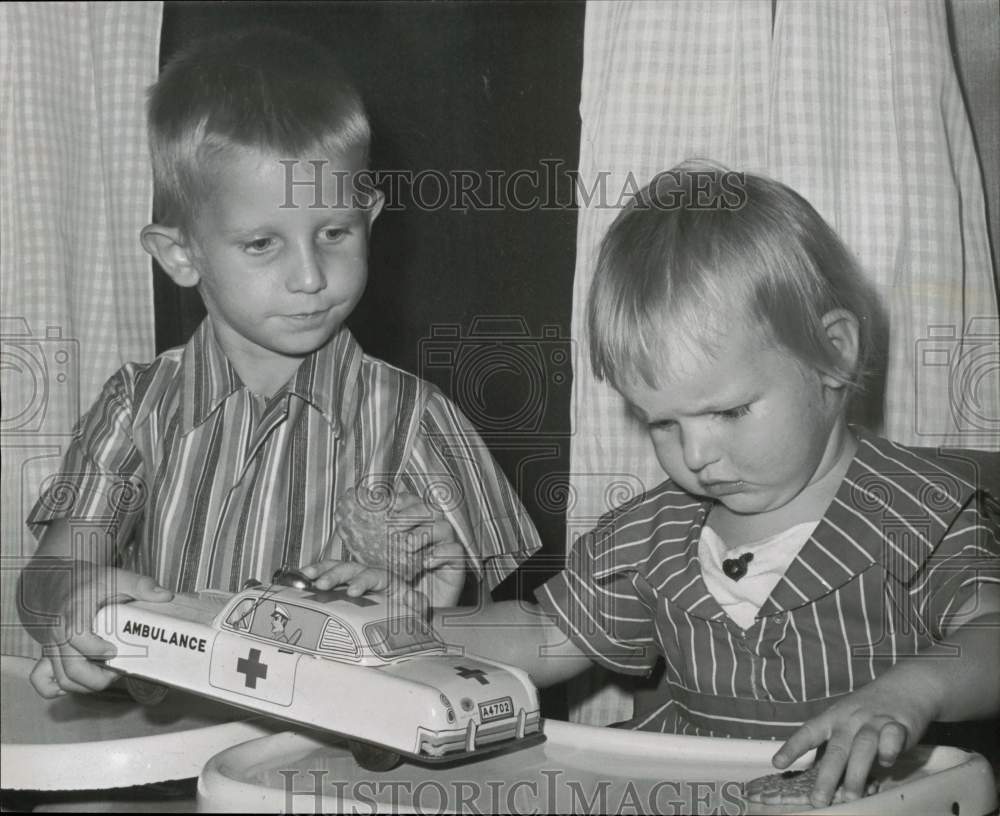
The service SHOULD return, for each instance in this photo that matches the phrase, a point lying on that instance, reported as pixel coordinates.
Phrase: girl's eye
(735, 413)
(662, 425)
(258, 245)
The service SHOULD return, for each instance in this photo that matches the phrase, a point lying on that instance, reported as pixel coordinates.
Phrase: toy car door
(258, 648)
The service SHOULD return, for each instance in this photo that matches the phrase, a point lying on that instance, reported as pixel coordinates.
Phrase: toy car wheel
(372, 758)
(145, 692)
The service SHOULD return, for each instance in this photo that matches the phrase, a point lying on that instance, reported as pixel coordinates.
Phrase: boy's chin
(302, 344)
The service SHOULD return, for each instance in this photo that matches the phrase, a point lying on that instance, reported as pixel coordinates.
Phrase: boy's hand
(404, 535)
(71, 651)
(360, 579)
(441, 576)
(879, 720)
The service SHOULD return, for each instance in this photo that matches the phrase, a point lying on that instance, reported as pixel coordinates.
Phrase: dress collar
(891, 508)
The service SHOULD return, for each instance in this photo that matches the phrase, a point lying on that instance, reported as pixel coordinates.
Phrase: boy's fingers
(370, 579)
(43, 679)
(344, 572)
(91, 647)
(146, 589)
(314, 570)
(65, 668)
(439, 561)
(89, 676)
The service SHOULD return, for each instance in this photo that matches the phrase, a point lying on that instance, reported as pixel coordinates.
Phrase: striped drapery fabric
(855, 105)
(76, 285)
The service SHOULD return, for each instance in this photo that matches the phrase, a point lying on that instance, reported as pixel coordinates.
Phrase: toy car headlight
(449, 709)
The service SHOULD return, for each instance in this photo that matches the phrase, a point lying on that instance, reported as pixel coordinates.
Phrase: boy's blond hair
(264, 89)
(701, 245)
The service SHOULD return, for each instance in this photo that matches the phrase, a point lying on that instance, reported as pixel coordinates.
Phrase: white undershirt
(741, 600)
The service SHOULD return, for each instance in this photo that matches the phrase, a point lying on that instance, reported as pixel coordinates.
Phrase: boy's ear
(841, 327)
(172, 251)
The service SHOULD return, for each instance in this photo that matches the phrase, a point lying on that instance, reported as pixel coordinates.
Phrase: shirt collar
(327, 379)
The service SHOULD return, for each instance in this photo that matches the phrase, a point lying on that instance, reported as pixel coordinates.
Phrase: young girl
(803, 579)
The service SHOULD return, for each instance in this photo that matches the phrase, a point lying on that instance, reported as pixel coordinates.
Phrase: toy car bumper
(474, 737)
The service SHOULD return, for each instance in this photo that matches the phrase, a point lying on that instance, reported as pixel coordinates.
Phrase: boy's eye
(333, 234)
(735, 413)
(258, 245)
(661, 425)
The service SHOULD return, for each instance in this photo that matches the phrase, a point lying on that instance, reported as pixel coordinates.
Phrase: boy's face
(749, 425)
(278, 281)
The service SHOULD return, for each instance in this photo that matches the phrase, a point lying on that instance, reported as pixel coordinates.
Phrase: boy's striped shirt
(204, 485)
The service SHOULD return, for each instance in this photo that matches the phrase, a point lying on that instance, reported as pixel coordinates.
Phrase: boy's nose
(308, 275)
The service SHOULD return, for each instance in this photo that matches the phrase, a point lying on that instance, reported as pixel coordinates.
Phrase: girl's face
(748, 425)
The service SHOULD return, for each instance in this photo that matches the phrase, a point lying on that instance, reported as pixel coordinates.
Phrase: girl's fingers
(891, 742)
(859, 763)
(804, 739)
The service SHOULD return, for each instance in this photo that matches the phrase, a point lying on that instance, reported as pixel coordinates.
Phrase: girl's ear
(172, 251)
(374, 207)
(841, 327)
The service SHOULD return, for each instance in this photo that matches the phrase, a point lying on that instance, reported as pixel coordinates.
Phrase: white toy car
(328, 661)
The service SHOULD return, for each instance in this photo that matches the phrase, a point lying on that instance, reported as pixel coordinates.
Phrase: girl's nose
(698, 448)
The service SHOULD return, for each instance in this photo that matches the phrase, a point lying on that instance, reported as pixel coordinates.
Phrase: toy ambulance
(351, 665)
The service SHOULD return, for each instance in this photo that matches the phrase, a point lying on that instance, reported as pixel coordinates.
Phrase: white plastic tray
(98, 742)
(579, 769)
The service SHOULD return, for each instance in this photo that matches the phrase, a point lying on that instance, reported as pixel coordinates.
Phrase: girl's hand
(879, 720)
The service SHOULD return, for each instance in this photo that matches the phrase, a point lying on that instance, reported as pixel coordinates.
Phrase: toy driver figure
(279, 620)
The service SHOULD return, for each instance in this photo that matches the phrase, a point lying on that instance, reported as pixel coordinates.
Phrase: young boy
(803, 579)
(270, 439)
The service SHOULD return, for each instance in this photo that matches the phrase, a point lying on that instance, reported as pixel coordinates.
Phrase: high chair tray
(578, 769)
(101, 741)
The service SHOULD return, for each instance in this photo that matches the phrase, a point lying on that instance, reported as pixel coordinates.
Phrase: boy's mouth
(723, 488)
(306, 316)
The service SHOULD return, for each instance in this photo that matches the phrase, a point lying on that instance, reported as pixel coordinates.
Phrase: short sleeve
(611, 618)
(101, 479)
(449, 461)
(967, 557)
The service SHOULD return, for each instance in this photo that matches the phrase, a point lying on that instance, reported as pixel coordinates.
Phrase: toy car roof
(355, 610)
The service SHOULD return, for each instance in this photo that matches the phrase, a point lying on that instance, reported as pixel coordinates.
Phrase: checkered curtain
(857, 106)
(76, 286)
